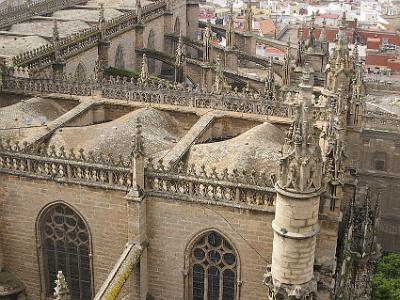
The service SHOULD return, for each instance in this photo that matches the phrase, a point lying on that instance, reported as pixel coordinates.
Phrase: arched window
(80, 72)
(213, 266)
(119, 58)
(151, 45)
(65, 244)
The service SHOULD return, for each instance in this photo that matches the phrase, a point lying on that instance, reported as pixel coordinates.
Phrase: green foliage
(121, 73)
(386, 282)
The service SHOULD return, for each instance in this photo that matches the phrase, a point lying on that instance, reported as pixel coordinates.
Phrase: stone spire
(102, 21)
(249, 18)
(291, 274)
(219, 83)
(355, 55)
(139, 11)
(138, 142)
(56, 42)
(361, 250)
(179, 60)
(137, 165)
(207, 43)
(179, 56)
(230, 30)
(61, 291)
(269, 89)
(286, 66)
(310, 43)
(300, 48)
(144, 73)
(301, 161)
(323, 39)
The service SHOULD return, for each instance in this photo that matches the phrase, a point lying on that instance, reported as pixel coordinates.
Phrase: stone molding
(281, 291)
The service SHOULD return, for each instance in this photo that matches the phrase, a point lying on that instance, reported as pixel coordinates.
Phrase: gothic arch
(119, 62)
(151, 45)
(80, 72)
(177, 25)
(64, 243)
(212, 267)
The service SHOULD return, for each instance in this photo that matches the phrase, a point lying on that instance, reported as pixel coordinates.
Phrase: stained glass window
(66, 247)
(213, 267)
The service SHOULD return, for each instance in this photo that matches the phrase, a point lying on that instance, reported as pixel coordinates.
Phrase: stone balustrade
(235, 188)
(29, 9)
(177, 95)
(39, 58)
(252, 190)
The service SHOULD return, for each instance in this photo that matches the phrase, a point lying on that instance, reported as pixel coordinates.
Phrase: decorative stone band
(281, 291)
(297, 194)
(295, 235)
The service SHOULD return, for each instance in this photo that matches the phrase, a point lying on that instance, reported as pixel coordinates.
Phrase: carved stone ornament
(282, 291)
(300, 164)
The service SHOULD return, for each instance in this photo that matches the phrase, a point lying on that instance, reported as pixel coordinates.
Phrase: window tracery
(213, 268)
(65, 243)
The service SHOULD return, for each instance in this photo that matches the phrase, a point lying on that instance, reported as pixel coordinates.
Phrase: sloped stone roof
(13, 45)
(160, 133)
(257, 148)
(45, 27)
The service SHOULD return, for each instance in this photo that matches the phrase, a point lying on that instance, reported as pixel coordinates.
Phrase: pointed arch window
(213, 267)
(119, 58)
(65, 244)
(80, 72)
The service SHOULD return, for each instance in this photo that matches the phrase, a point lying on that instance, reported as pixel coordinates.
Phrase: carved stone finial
(230, 30)
(249, 18)
(139, 11)
(179, 56)
(61, 291)
(144, 73)
(301, 168)
(56, 42)
(207, 43)
(138, 142)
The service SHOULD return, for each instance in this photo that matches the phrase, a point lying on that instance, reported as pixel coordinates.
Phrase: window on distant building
(213, 268)
(65, 244)
(379, 160)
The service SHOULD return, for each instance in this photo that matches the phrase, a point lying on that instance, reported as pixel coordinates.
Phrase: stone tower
(297, 204)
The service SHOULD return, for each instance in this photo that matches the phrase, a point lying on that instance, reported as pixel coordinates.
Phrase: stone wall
(367, 149)
(87, 59)
(172, 225)
(21, 201)
(127, 42)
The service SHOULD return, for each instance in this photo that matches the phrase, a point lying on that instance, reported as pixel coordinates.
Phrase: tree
(386, 282)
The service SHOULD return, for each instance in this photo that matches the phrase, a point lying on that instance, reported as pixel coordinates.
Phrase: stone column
(299, 187)
(139, 44)
(137, 222)
(231, 59)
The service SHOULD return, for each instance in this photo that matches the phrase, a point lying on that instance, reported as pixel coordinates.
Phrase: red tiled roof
(378, 59)
(328, 16)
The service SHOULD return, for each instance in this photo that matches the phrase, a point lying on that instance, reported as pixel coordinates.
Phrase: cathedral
(139, 161)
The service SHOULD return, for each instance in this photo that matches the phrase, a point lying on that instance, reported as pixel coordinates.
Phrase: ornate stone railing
(251, 190)
(60, 166)
(71, 45)
(20, 13)
(158, 93)
(374, 121)
(238, 189)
